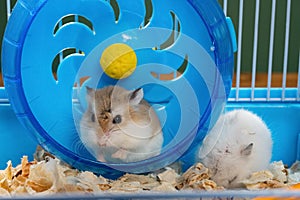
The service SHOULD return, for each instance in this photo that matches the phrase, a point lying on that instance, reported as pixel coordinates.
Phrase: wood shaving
(262, 180)
(271, 184)
(133, 183)
(197, 177)
(164, 187)
(295, 168)
(279, 171)
(259, 177)
(204, 184)
(51, 176)
(294, 173)
(277, 176)
(169, 176)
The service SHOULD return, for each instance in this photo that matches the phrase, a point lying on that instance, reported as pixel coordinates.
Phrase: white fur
(138, 143)
(132, 144)
(90, 138)
(221, 150)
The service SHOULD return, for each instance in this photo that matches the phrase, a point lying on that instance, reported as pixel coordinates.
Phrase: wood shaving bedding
(47, 175)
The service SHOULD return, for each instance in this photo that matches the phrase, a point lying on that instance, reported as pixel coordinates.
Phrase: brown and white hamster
(119, 126)
(239, 143)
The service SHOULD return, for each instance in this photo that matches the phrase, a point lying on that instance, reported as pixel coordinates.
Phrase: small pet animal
(119, 126)
(239, 144)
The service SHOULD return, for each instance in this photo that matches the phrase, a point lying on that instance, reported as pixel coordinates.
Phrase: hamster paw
(101, 158)
(120, 154)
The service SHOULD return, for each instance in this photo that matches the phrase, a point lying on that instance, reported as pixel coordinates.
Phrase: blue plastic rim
(73, 33)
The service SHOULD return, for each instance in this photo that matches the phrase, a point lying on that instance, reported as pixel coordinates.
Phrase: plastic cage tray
(18, 141)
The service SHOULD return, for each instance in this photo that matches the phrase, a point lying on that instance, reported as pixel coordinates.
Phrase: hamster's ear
(247, 150)
(90, 97)
(136, 96)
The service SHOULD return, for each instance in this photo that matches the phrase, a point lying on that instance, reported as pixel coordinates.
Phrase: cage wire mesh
(267, 60)
(268, 57)
(268, 54)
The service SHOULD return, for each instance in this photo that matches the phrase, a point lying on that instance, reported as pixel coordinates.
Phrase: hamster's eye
(117, 119)
(93, 117)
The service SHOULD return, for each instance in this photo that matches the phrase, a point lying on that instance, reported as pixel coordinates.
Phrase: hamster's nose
(105, 116)
(105, 129)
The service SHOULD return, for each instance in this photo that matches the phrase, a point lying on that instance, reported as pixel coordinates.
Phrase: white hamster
(239, 143)
(119, 126)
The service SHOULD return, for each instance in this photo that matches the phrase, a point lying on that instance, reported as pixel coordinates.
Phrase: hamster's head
(119, 116)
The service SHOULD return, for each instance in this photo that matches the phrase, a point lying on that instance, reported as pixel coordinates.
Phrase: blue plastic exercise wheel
(184, 49)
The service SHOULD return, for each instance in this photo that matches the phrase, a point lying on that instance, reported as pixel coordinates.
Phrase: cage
(266, 81)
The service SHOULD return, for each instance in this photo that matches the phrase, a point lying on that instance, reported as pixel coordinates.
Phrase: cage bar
(239, 53)
(225, 5)
(298, 90)
(286, 48)
(271, 49)
(8, 8)
(255, 44)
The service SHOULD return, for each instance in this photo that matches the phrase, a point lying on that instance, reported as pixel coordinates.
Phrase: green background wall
(264, 33)
(248, 32)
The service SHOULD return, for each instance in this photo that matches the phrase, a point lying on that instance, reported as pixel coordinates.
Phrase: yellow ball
(118, 61)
